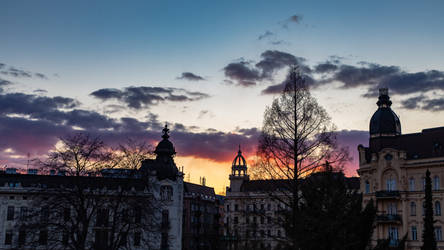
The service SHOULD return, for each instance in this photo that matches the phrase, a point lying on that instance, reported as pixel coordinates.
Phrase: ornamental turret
(238, 172)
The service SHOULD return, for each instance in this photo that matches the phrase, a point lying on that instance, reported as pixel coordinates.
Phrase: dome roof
(384, 121)
(165, 147)
(239, 160)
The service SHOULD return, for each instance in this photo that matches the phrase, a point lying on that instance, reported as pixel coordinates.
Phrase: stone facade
(158, 183)
(392, 171)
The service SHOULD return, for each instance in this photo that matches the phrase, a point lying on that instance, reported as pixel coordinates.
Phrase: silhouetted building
(158, 183)
(202, 218)
(392, 171)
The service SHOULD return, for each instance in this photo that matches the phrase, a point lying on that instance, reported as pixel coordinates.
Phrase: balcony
(387, 194)
(388, 218)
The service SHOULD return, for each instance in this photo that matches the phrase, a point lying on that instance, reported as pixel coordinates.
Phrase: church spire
(165, 131)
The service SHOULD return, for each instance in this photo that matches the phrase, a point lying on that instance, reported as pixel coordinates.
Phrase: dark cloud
(265, 35)
(413, 102)
(424, 103)
(273, 60)
(242, 73)
(19, 103)
(245, 74)
(375, 76)
(4, 82)
(190, 76)
(325, 67)
(16, 72)
(144, 97)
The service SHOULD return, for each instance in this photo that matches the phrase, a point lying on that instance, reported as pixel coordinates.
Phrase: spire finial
(384, 98)
(239, 152)
(165, 132)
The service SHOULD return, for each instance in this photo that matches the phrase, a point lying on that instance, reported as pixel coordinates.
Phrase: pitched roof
(427, 144)
(198, 189)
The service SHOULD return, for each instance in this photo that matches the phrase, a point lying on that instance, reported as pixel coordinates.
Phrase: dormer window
(388, 157)
(166, 193)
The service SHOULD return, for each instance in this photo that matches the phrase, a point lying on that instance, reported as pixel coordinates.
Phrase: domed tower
(384, 122)
(163, 165)
(238, 172)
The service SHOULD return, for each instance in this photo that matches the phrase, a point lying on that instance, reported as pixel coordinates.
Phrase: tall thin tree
(297, 138)
(428, 235)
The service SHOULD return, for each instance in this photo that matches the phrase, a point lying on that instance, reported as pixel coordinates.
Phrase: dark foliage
(428, 235)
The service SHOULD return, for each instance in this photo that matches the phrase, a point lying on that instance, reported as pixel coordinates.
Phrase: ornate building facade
(149, 215)
(251, 210)
(392, 171)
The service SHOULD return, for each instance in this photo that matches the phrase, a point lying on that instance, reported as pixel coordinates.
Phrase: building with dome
(392, 172)
(251, 210)
(149, 215)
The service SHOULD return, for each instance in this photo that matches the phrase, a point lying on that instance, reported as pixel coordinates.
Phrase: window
(412, 208)
(44, 214)
(101, 239)
(393, 235)
(65, 238)
(367, 187)
(436, 182)
(414, 233)
(123, 239)
(228, 208)
(262, 220)
(8, 238)
(22, 237)
(412, 184)
(438, 233)
(391, 184)
(391, 209)
(10, 215)
(268, 206)
(236, 220)
(102, 217)
(66, 214)
(166, 193)
(23, 213)
(236, 207)
(279, 233)
(423, 183)
(437, 208)
(137, 238)
(165, 219)
(137, 214)
(43, 237)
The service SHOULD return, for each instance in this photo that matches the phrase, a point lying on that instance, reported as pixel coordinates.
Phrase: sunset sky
(122, 69)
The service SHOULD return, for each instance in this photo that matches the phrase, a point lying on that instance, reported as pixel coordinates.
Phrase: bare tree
(297, 139)
(93, 198)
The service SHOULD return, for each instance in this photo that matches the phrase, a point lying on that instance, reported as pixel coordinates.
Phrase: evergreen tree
(331, 214)
(428, 236)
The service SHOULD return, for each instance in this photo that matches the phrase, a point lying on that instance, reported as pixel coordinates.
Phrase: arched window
(391, 183)
(412, 208)
(437, 208)
(367, 187)
(436, 182)
(412, 184)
